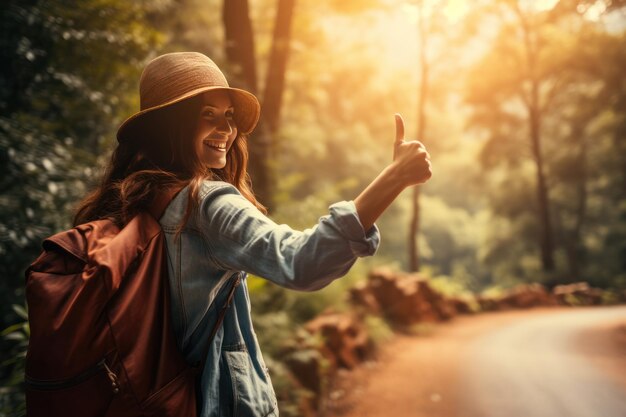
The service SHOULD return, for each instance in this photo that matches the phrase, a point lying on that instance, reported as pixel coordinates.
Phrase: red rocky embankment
(402, 300)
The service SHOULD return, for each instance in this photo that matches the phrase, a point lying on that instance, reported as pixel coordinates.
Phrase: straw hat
(174, 77)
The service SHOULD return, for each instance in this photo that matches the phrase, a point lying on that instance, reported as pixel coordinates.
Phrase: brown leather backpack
(101, 340)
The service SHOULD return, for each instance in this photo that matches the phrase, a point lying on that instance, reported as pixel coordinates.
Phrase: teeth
(216, 144)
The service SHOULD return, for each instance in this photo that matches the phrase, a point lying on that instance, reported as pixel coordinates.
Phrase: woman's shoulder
(213, 188)
(208, 193)
(220, 202)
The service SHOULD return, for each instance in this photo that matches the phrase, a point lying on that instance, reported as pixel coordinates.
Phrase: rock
(361, 295)
(520, 296)
(528, 295)
(310, 368)
(579, 293)
(461, 306)
(402, 299)
(345, 338)
(442, 307)
(306, 366)
(395, 297)
(488, 303)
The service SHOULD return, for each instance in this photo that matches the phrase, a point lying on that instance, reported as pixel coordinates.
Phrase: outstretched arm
(239, 237)
(410, 166)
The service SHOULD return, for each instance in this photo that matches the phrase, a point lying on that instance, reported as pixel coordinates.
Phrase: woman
(190, 135)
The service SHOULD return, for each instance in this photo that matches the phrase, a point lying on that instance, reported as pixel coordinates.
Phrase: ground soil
(605, 346)
(419, 374)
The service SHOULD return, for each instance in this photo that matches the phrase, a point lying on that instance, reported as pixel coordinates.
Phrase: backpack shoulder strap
(71, 241)
(220, 319)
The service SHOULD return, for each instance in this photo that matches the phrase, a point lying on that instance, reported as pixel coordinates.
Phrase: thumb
(399, 133)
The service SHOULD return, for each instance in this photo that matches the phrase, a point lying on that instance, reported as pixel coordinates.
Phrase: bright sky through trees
(389, 36)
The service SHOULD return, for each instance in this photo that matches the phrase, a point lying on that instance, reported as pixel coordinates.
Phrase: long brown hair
(164, 155)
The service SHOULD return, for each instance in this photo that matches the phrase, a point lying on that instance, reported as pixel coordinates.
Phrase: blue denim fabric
(229, 236)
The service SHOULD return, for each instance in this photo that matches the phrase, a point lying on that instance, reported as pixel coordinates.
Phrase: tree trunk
(271, 103)
(414, 261)
(545, 236)
(239, 43)
(239, 46)
(275, 81)
(240, 52)
(414, 227)
(575, 252)
(546, 241)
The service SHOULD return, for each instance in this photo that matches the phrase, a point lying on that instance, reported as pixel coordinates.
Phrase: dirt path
(427, 375)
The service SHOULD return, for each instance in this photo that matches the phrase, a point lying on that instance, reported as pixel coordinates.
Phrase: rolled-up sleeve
(240, 237)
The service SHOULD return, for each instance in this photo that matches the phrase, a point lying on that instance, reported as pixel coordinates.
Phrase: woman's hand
(411, 161)
(410, 166)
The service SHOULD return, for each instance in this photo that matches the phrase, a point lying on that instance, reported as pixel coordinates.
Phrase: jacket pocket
(253, 394)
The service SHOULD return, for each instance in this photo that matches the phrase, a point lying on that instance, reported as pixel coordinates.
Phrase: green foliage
(66, 74)
(448, 286)
(378, 329)
(289, 396)
(268, 298)
(15, 337)
(278, 333)
(611, 298)
(574, 102)
(494, 291)
(422, 329)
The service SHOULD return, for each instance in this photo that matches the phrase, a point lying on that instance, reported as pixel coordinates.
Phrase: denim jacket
(227, 236)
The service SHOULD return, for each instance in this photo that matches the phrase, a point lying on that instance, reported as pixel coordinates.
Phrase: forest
(521, 104)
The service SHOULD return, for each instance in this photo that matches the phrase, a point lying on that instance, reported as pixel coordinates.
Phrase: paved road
(535, 368)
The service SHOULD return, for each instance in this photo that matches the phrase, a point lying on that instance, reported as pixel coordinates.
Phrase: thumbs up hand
(410, 166)
(411, 162)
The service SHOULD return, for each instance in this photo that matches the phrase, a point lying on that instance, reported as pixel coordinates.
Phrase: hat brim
(247, 112)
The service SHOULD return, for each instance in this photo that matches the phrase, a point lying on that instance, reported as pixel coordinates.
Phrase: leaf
(15, 336)
(13, 328)
(20, 311)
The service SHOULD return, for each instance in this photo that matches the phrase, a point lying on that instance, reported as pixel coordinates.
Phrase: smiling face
(216, 130)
